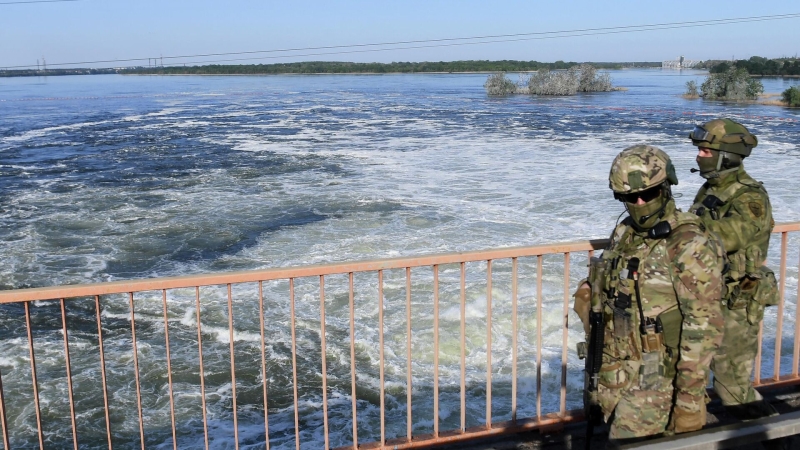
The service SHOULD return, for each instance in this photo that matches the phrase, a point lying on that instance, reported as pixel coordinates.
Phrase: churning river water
(118, 177)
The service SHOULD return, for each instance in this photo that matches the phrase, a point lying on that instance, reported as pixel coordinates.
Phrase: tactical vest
(716, 204)
(651, 334)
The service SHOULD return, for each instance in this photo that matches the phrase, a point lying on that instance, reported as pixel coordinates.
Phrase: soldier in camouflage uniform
(658, 286)
(736, 207)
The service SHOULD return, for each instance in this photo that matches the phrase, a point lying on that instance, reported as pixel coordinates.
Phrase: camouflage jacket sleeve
(697, 279)
(747, 217)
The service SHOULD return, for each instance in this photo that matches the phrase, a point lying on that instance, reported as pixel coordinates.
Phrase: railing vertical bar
(263, 361)
(539, 346)
(408, 354)
(564, 337)
(435, 351)
(136, 370)
(514, 332)
(489, 343)
(323, 351)
(757, 376)
(169, 371)
(796, 358)
(380, 350)
(779, 325)
(69, 375)
(102, 369)
(463, 348)
(233, 370)
(353, 359)
(202, 374)
(294, 366)
(3, 421)
(35, 383)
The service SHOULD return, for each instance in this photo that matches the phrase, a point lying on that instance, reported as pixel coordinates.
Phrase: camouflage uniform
(649, 372)
(736, 207)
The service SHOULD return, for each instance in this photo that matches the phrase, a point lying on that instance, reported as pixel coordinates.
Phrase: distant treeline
(757, 65)
(395, 67)
(312, 67)
(54, 72)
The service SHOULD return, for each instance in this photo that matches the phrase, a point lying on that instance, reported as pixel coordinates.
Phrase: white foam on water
(387, 176)
(48, 131)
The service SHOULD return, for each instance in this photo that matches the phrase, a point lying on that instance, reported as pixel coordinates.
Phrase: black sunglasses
(647, 195)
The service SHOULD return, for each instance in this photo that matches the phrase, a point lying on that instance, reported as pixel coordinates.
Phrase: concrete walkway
(785, 400)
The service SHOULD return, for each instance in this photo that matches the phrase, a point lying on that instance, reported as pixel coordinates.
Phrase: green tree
(691, 89)
(791, 96)
(733, 84)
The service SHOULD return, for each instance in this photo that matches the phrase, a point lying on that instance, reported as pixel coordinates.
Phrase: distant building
(680, 63)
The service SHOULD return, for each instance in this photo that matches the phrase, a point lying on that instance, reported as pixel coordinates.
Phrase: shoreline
(766, 99)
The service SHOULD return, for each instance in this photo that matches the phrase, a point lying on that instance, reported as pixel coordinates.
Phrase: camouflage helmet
(724, 135)
(639, 168)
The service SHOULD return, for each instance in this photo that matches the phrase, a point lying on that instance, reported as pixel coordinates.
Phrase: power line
(473, 43)
(37, 1)
(445, 42)
(686, 24)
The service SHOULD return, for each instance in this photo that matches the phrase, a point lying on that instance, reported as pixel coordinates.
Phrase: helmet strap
(722, 155)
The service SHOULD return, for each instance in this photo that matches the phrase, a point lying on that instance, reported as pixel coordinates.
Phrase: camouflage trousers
(635, 412)
(733, 363)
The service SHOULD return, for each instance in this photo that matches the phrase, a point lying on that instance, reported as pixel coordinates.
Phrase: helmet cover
(639, 168)
(724, 135)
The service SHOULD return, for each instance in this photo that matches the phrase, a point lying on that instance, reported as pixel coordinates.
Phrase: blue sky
(90, 30)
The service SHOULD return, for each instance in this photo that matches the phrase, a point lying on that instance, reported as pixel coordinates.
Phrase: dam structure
(353, 402)
(680, 63)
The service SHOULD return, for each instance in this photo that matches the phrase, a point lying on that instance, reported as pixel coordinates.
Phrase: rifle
(594, 359)
(594, 352)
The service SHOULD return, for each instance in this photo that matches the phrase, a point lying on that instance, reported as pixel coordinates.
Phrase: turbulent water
(113, 177)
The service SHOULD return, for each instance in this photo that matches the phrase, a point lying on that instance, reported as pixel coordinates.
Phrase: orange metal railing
(562, 415)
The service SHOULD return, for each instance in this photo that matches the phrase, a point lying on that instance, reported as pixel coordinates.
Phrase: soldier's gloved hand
(683, 420)
(583, 304)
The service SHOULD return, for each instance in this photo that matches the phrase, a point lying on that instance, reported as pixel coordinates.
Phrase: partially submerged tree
(580, 78)
(791, 96)
(591, 81)
(691, 89)
(733, 84)
(546, 82)
(498, 84)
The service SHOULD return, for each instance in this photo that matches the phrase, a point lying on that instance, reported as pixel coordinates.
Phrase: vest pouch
(651, 371)
(616, 344)
(767, 289)
(759, 294)
(619, 374)
(652, 342)
(670, 364)
(671, 322)
(623, 323)
(735, 298)
(755, 312)
(738, 266)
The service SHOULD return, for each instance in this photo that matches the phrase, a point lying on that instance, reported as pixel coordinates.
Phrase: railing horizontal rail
(251, 276)
(122, 287)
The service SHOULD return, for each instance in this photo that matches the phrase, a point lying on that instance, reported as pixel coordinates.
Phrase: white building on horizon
(680, 63)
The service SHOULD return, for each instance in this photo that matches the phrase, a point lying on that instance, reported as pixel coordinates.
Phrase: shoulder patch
(756, 208)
